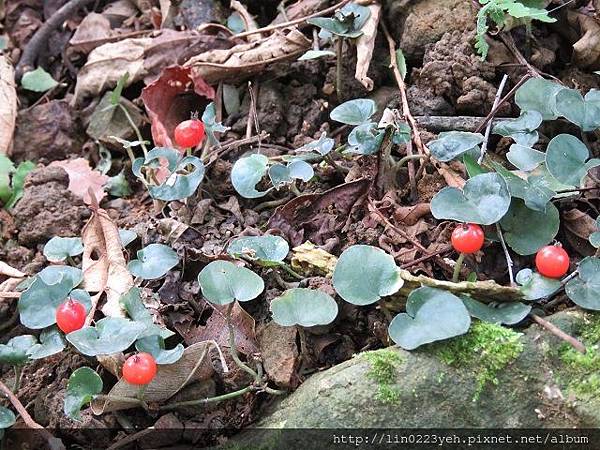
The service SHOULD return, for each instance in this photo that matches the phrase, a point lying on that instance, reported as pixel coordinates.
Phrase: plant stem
(509, 261)
(339, 50)
(408, 158)
(488, 129)
(116, 398)
(233, 350)
(291, 271)
(457, 267)
(204, 401)
(135, 128)
(18, 373)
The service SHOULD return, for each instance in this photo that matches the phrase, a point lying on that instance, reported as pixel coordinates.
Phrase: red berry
(189, 133)
(552, 261)
(139, 369)
(70, 316)
(467, 238)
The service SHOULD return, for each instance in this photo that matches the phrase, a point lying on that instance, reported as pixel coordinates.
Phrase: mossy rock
(492, 377)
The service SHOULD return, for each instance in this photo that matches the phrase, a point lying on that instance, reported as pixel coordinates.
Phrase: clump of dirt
(453, 79)
(47, 208)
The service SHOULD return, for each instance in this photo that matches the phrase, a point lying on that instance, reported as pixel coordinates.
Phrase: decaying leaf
(8, 104)
(172, 98)
(103, 264)
(82, 178)
(365, 45)
(142, 58)
(579, 226)
(308, 258)
(586, 51)
(279, 354)
(244, 60)
(249, 22)
(9, 271)
(93, 30)
(193, 366)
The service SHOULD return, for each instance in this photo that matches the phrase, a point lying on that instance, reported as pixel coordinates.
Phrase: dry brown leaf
(193, 366)
(310, 259)
(579, 226)
(8, 105)
(300, 9)
(249, 22)
(452, 178)
(10, 271)
(82, 178)
(244, 60)
(586, 51)
(279, 354)
(90, 33)
(365, 45)
(104, 266)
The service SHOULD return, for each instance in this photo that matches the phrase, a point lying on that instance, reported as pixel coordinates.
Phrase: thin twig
(30, 54)
(204, 401)
(53, 442)
(291, 22)
(576, 344)
(488, 129)
(426, 257)
(509, 261)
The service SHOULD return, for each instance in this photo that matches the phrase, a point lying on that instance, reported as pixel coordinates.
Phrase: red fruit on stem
(189, 133)
(139, 369)
(467, 238)
(70, 316)
(552, 261)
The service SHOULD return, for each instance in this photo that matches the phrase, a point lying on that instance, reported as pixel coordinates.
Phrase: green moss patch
(485, 350)
(384, 370)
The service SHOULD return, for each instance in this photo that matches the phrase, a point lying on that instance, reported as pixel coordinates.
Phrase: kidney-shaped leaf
(539, 95)
(535, 286)
(501, 313)
(50, 287)
(16, 351)
(223, 282)
(304, 307)
(110, 335)
(566, 158)
(525, 158)
(354, 112)
(583, 112)
(431, 315)
(58, 248)
(51, 342)
(521, 129)
(153, 261)
(297, 169)
(132, 303)
(7, 418)
(526, 230)
(364, 274)
(155, 345)
(452, 144)
(365, 139)
(266, 249)
(483, 200)
(83, 385)
(247, 173)
(584, 288)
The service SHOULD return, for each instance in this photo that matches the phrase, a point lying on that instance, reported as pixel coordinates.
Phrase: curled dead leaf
(365, 45)
(103, 264)
(10, 271)
(8, 104)
(310, 259)
(586, 51)
(82, 178)
(194, 366)
(249, 22)
(244, 60)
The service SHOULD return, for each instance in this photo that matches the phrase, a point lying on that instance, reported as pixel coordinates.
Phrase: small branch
(426, 257)
(488, 129)
(509, 261)
(53, 442)
(409, 158)
(576, 344)
(135, 129)
(40, 39)
(291, 22)
(339, 53)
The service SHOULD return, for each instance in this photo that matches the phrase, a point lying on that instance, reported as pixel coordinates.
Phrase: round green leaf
(483, 200)
(58, 248)
(315, 54)
(153, 261)
(323, 145)
(15, 351)
(431, 315)
(584, 288)
(155, 345)
(50, 287)
(364, 274)
(7, 418)
(522, 129)
(38, 80)
(51, 343)
(535, 286)
(83, 385)
(525, 158)
(268, 248)
(127, 236)
(297, 169)
(223, 282)
(354, 112)
(110, 335)
(526, 230)
(583, 112)
(247, 173)
(180, 185)
(537, 94)
(566, 159)
(501, 313)
(365, 139)
(452, 144)
(132, 303)
(304, 307)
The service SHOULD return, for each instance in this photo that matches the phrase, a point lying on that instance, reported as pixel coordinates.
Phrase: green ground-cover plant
(12, 180)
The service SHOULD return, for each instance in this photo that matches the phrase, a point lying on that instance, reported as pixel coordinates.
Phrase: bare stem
(137, 132)
(509, 261)
(204, 401)
(488, 129)
(459, 263)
